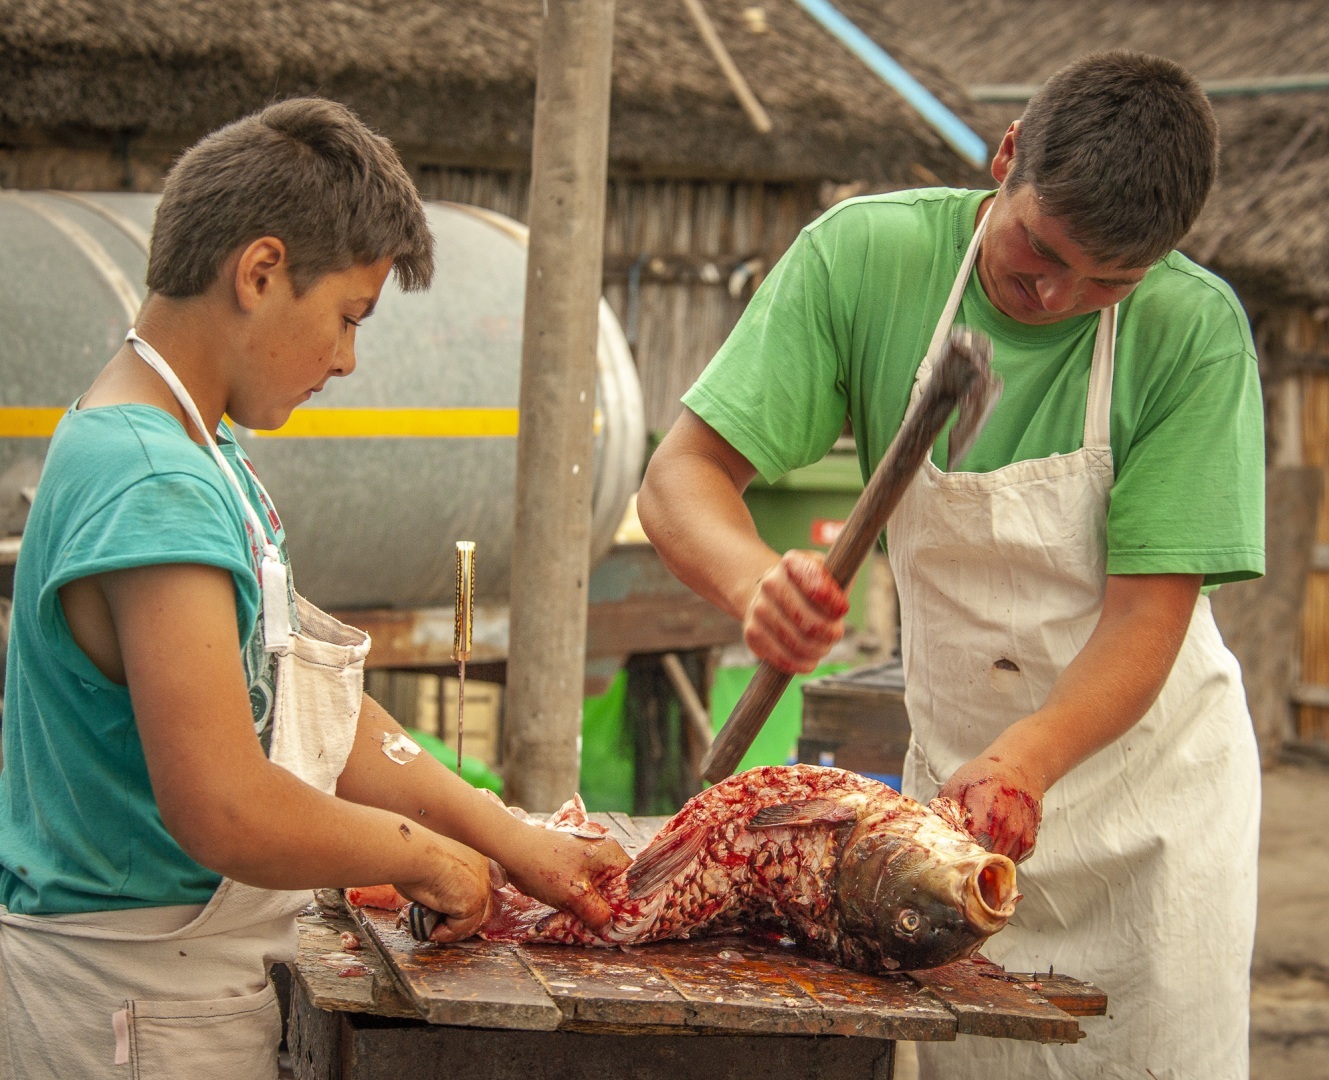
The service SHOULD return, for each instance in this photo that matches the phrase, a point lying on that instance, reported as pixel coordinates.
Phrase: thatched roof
(1268, 235)
(455, 79)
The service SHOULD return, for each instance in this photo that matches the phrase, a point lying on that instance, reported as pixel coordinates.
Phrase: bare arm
(691, 507)
(220, 798)
(555, 867)
(1101, 695)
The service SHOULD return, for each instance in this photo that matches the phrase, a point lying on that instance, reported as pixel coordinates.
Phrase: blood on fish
(848, 867)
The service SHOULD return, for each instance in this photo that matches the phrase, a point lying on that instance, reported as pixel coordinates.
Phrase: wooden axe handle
(964, 360)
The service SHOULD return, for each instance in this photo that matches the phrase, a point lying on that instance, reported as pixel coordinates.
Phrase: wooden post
(551, 545)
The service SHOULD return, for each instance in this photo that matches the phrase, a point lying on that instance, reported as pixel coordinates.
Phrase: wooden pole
(551, 545)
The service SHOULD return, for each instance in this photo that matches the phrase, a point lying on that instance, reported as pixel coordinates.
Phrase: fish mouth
(987, 892)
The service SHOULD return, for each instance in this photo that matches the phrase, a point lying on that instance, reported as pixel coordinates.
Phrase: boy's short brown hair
(1123, 148)
(306, 171)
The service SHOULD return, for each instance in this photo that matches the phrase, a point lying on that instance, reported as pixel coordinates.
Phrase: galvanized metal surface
(371, 520)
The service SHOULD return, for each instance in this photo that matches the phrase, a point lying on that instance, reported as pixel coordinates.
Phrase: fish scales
(858, 873)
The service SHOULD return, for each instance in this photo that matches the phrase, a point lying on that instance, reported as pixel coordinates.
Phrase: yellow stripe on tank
(28, 423)
(397, 424)
(39, 423)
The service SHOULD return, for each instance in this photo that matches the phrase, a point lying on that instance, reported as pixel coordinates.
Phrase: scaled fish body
(852, 869)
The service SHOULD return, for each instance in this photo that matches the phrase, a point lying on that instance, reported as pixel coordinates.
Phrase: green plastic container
(608, 756)
(777, 742)
(608, 770)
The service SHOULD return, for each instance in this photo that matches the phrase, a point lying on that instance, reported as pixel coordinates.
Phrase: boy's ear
(1005, 156)
(256, 269)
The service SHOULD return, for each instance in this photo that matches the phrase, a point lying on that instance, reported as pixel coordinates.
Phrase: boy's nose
(1056, 292)
(344, 362)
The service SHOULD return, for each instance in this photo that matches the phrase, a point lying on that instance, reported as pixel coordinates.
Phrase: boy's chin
(268, 420)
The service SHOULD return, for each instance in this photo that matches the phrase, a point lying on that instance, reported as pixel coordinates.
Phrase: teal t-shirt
(842, 323)
(122, 486)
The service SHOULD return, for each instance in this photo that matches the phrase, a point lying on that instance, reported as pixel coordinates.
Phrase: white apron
(1143, 878)
(173, 992)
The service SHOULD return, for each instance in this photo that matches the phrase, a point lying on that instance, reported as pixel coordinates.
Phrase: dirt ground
(1290, 971)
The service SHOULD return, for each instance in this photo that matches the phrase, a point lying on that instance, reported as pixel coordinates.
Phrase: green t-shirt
(122, 486)
(842, 323)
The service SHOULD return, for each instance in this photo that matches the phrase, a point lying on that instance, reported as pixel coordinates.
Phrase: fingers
(589, 906)
(1002, 818)
(821, 590)
(796, 613)
(460, 927)
(603, 860)
(608, 860)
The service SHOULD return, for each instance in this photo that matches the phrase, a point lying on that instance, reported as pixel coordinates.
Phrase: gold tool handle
(464, 621)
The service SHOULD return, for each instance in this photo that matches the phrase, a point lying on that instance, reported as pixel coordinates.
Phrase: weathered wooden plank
(880, 1007)
(312, 1037)
(620, 828)
(649, 825)
(605, 987)
(724, 991)
(361, 983)
(639, 833)
(839, 1001)
(469, 983)
(654, 624)
(371, 1052)
(1261, 620)
(1067, 994)
(987, 1001)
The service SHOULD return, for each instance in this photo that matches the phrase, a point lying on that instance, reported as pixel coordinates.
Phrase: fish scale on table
(843, 864)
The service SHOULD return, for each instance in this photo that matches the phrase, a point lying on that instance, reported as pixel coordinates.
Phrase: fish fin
(804, 812)
(663, 860)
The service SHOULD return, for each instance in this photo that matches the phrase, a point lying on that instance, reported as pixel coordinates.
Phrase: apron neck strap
(1098, 407)
(272, 571)
(952, 308)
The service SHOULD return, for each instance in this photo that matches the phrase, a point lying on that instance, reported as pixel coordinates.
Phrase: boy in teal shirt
(187, 750)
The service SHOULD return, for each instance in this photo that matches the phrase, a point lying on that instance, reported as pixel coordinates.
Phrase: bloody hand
(796, 613)
(565, 871)
(1003, 807)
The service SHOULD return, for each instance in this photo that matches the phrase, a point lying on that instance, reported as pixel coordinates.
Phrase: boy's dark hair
(306, 171)
(1123, 148)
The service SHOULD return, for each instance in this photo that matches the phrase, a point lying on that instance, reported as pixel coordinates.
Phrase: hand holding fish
(1002, 804)
(456, 884)
(565, 870)
(796, 613)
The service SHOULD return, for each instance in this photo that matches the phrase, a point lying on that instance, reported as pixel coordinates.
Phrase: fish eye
(908, 922)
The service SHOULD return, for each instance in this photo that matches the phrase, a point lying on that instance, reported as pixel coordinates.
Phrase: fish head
(916, 906)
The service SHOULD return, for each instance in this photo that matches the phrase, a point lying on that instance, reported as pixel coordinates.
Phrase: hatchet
(962, 381)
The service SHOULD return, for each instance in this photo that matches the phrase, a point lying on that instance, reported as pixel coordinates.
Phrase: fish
(837, 862)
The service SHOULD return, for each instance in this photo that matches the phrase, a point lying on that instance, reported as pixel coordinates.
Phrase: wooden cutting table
(724, 1007)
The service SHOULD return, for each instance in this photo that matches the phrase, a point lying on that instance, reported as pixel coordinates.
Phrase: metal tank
(380, 475)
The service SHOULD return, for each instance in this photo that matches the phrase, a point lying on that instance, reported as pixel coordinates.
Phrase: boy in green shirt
(1064, 678)
(187, 749)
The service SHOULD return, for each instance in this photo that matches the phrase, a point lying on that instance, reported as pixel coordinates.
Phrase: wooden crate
(856, 720)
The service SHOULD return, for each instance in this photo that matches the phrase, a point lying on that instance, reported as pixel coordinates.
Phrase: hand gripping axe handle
(962, 379)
